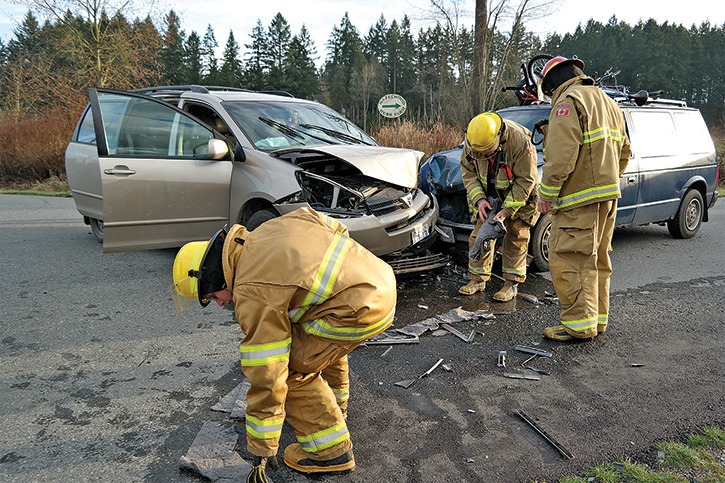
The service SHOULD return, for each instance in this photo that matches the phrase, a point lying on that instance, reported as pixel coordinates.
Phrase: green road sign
(392, 105)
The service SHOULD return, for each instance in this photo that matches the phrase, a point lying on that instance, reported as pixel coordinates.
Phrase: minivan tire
(689, 216)
(259, 217)
(540, 243)
(96, 228)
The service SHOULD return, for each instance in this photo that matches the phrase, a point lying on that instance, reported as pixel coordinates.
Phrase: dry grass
(430, 140)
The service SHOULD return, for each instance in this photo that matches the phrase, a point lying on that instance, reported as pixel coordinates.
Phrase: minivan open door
(161, 185)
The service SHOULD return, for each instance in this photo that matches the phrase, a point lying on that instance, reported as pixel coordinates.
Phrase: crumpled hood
(394, 165)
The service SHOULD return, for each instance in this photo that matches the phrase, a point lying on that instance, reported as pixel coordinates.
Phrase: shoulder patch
(559, 111)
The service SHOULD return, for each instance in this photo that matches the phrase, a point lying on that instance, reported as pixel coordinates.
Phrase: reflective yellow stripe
(588, 194)
(321, 328)
(326, 275)
(341, 395)
(474, 193)
(549, 191)
(327, 438)
(263, 354)
(503, 184)
(514, 270)
(264, 428)
(580, 325)
(601, 133)
(478, 270)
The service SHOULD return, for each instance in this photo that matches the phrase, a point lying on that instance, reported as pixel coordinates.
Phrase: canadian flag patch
(561, 112)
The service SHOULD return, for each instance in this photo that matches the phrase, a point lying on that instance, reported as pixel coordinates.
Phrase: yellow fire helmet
(198, 269)
(484, 132)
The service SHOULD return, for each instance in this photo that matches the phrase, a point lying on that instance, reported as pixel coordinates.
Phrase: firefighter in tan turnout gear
(499, 162)
(305, 295)
(586, 149)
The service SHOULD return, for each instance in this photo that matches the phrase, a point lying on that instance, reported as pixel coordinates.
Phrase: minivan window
(693, 136)
(655, 133)
(145, 128)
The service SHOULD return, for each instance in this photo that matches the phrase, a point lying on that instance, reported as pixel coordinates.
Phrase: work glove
(259, 465)
(490, 230)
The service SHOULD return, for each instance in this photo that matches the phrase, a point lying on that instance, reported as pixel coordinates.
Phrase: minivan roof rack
(202, 89)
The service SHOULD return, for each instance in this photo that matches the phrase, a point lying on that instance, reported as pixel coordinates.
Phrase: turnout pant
(581, 239)
(513, 253)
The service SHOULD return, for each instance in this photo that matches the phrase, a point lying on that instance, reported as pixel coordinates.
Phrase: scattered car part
(501, 359)
(513, 375)
(531, 298)
(460, 335)
(392, 339)
(386, 351)
(531, 350)
(409, 382)
(539, 371)
(560, 448)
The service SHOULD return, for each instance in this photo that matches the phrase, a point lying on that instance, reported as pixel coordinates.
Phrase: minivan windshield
(272, 125)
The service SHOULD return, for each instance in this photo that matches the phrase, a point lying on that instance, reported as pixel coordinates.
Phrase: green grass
(50, 187)
(700, 459)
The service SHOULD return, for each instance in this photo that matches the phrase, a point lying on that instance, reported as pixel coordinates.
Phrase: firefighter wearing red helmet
(305, 295)
(498, 162)
(586, 151)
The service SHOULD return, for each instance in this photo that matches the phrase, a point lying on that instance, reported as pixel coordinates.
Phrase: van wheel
(540, 243)
(259, 217)
(689, 216)
(97, 228)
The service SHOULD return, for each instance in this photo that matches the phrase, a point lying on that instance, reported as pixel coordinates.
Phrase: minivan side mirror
(217, 149)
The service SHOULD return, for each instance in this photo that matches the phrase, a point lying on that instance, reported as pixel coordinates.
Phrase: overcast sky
(321, 16)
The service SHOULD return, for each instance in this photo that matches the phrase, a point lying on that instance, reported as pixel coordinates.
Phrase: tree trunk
(479, 57)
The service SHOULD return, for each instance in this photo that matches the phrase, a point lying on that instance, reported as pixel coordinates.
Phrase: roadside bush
(718, 136)
(430, 140)
(33, 147)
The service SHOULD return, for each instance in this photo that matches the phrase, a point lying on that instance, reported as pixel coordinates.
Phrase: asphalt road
(104, 381)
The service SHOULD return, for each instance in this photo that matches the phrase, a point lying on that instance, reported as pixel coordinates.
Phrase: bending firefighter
(587, 149)
(499, 162)
(305, 295)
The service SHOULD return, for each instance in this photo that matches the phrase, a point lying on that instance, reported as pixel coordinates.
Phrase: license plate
(420, 232)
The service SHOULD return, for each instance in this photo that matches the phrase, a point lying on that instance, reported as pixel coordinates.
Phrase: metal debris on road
(521, 376)
(460, 335)
(560, 448)
(409, 382)
(386, 351)
(539, 371)
(421, 306)
(459, 315)
(388, 338)
(447, 367)
(531, 350)
(531, 298)
(420, 328)
(636, 364)
(501, 359)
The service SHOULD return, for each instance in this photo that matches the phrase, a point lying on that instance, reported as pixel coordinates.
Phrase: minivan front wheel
(689, 216)
(540, 243)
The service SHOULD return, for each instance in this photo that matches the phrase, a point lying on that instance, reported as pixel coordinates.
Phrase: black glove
(259, 464)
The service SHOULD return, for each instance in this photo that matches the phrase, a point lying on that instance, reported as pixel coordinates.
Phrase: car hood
(393, 165)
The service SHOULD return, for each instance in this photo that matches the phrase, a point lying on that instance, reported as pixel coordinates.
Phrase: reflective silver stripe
(324, 439)
(580, 325)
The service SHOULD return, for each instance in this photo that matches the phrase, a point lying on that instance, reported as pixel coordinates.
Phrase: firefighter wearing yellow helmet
(498, 162)
(587, 150)
(305, 295)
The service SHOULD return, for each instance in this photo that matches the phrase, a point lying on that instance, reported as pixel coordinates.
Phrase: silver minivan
(158, 167)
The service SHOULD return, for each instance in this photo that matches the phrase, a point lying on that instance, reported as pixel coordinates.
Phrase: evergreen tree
(255, 75)
(231, 72)
(374, 44)
(344, 57)
(172, 49)
(300, 71)
(193, 60)
(208, 52)
(277, 48)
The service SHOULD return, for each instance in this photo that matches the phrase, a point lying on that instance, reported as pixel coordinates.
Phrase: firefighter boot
(335, 459)
(561, 334)
(507, 292)
(472, 287)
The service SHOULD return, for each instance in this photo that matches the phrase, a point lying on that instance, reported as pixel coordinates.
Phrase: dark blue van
(671, 178)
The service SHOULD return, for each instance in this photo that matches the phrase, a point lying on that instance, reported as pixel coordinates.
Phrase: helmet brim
(211, 267)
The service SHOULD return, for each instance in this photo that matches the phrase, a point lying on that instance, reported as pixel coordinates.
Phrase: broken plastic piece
(531, 350)
(501, 359)
(522, 376)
